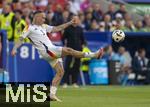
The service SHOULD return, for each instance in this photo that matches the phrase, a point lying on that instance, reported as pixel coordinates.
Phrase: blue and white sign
(98, 72)
(27, 66)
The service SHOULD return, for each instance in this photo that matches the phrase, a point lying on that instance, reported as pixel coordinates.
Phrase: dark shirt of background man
(74, 37)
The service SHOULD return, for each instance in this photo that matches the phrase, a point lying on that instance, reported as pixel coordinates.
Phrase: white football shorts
(52, 55)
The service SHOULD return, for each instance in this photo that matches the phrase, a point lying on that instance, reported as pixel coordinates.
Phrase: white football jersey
(38, 35)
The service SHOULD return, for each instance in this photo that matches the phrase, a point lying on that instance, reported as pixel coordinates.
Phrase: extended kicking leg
(79, 54)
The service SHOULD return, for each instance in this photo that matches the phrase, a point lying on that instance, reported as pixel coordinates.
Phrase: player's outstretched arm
(25, 33)
(63, 26)
(16, 46)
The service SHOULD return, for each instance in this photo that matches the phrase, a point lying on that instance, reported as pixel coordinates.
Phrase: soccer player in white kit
(37, 33)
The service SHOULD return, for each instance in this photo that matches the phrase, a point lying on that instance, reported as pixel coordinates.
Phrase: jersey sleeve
(26, 31)
(49, 28)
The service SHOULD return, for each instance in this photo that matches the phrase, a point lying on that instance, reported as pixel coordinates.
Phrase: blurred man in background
(140, 66)
(19, 25)
(111, 11)
(94, 26)
(7, 21)
(109, 54)
(125, 61)
(122, 10)
(88, 21)
(57, 18)
(97, 12)
(119, 21)
(139, 26)
(73, 38)
(129, 26)
(85, 64)
(107, 21)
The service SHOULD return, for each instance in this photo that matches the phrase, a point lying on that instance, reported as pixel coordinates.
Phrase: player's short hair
(37, 12)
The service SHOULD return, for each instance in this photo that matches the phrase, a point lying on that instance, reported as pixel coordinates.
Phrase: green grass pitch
(104, 96)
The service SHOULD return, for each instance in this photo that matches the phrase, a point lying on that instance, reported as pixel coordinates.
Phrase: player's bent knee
(61, 73)
(59, 69)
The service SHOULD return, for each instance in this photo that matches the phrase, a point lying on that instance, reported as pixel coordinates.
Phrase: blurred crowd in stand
(16, 14)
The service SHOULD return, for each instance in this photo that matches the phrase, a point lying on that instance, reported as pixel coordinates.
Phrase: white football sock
(89, 55)
(53, 90)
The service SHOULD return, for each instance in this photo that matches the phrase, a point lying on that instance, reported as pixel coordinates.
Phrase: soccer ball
(118, 35)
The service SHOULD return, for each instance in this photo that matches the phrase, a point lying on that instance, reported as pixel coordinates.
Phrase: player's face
(41, 18)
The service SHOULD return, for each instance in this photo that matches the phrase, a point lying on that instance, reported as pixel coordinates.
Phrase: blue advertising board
(27, 66)
(98, 71)
(3, 35)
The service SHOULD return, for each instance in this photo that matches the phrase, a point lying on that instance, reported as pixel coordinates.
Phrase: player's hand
(13, 52)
